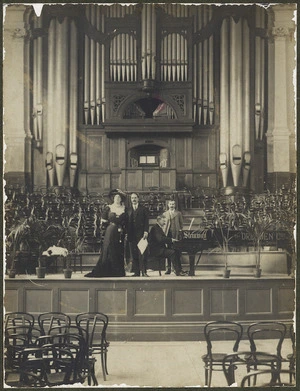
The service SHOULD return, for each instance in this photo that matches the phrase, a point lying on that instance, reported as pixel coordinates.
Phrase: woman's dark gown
(111, 260)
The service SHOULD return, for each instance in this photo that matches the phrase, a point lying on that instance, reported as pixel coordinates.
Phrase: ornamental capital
(280, 31)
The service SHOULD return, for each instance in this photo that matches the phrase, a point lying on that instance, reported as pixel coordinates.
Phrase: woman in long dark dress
(111, 260)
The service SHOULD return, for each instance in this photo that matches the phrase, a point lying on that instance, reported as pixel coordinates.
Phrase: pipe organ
(151, 69)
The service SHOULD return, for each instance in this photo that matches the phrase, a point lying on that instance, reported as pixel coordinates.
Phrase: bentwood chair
(268, 378)
(47, 320)
(291, 357)
(19, 319)
(214, 332)
(260, 332)
(95, 324)
(238, 362)
(76, 343)
(16, 339)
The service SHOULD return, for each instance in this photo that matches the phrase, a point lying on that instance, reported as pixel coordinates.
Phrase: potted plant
(257, 222)
(71, 240)
(225, 222)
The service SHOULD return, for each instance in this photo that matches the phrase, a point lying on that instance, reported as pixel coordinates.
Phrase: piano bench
(157, 263)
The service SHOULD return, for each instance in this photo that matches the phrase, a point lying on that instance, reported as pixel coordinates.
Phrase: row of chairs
(53, 351)
(254, 358)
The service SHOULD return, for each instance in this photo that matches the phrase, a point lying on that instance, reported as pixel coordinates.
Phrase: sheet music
(142, 245)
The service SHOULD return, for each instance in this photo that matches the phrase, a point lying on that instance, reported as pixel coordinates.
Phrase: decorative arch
(174, 102)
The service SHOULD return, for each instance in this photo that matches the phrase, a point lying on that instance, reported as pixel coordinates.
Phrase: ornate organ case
(163, 95)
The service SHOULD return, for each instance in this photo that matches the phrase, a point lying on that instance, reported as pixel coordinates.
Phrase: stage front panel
(156, 308)
(112, 302)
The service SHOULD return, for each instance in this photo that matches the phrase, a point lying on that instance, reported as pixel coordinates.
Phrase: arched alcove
(144, 156)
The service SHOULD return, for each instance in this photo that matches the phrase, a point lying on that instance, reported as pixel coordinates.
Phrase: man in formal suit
(173, 227)
(138, 227)
(158, 242)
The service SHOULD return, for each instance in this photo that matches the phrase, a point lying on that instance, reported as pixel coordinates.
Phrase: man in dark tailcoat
(158, 242)
(138, 227)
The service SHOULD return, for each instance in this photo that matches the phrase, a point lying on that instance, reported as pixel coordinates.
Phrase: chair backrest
(222, 330)
(268, 378)
(233, 361)
(47, 320)
(19, 319)
(95, 324)
(31, 367)
(259, 332)
(78, 346)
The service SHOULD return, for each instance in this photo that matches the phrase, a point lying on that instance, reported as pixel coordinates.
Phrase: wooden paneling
(224, 301)
(157, 308)
(259, 301)
(112, 302)
(204, 154)
(73, 300)
(37, 300)
(286, 300)
(150, 302)
(97, 152)
(11, 301)
(97, 182)
(187, 302)
(150, 178)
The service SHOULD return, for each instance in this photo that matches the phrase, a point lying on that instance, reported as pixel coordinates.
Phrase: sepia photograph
(149, 194)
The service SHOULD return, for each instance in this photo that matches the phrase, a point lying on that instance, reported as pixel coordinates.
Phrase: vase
(257, 273)
(68, 273)
(40, 272)
(226, 273)
(12, 273)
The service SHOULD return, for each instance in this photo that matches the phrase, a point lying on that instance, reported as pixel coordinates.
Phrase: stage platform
(157, 308)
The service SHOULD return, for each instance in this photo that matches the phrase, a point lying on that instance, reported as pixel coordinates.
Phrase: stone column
(281, 109)
(13, 93)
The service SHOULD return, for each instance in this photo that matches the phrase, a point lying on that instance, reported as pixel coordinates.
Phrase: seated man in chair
(157, 245)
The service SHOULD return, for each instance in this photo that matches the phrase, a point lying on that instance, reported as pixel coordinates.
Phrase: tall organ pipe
(153, 43)
(61, 101)
(92, 71)
(235, 100)
(73, 103)
(39, 100)
(51, 101)
(224, 103)
(98, 71)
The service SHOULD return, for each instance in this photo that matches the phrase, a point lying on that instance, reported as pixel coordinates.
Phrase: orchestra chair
(258, 333)
(260, 378)
(239, 360)
(48, 320)
(213, 333)
(95, 324)
(291, 357)
(54, 364)
(75, 338)
(18, 319)
(16, 339)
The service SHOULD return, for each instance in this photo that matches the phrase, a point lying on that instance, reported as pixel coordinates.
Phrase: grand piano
(196, 241)
(193, 242)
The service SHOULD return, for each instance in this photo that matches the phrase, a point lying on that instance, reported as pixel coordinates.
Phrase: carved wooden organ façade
(144, 70)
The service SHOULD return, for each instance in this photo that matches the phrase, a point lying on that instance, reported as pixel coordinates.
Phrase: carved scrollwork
(117, 100)
(180, 100)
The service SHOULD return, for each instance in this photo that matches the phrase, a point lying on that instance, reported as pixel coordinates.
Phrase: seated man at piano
(157, 245)
(173, 227)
